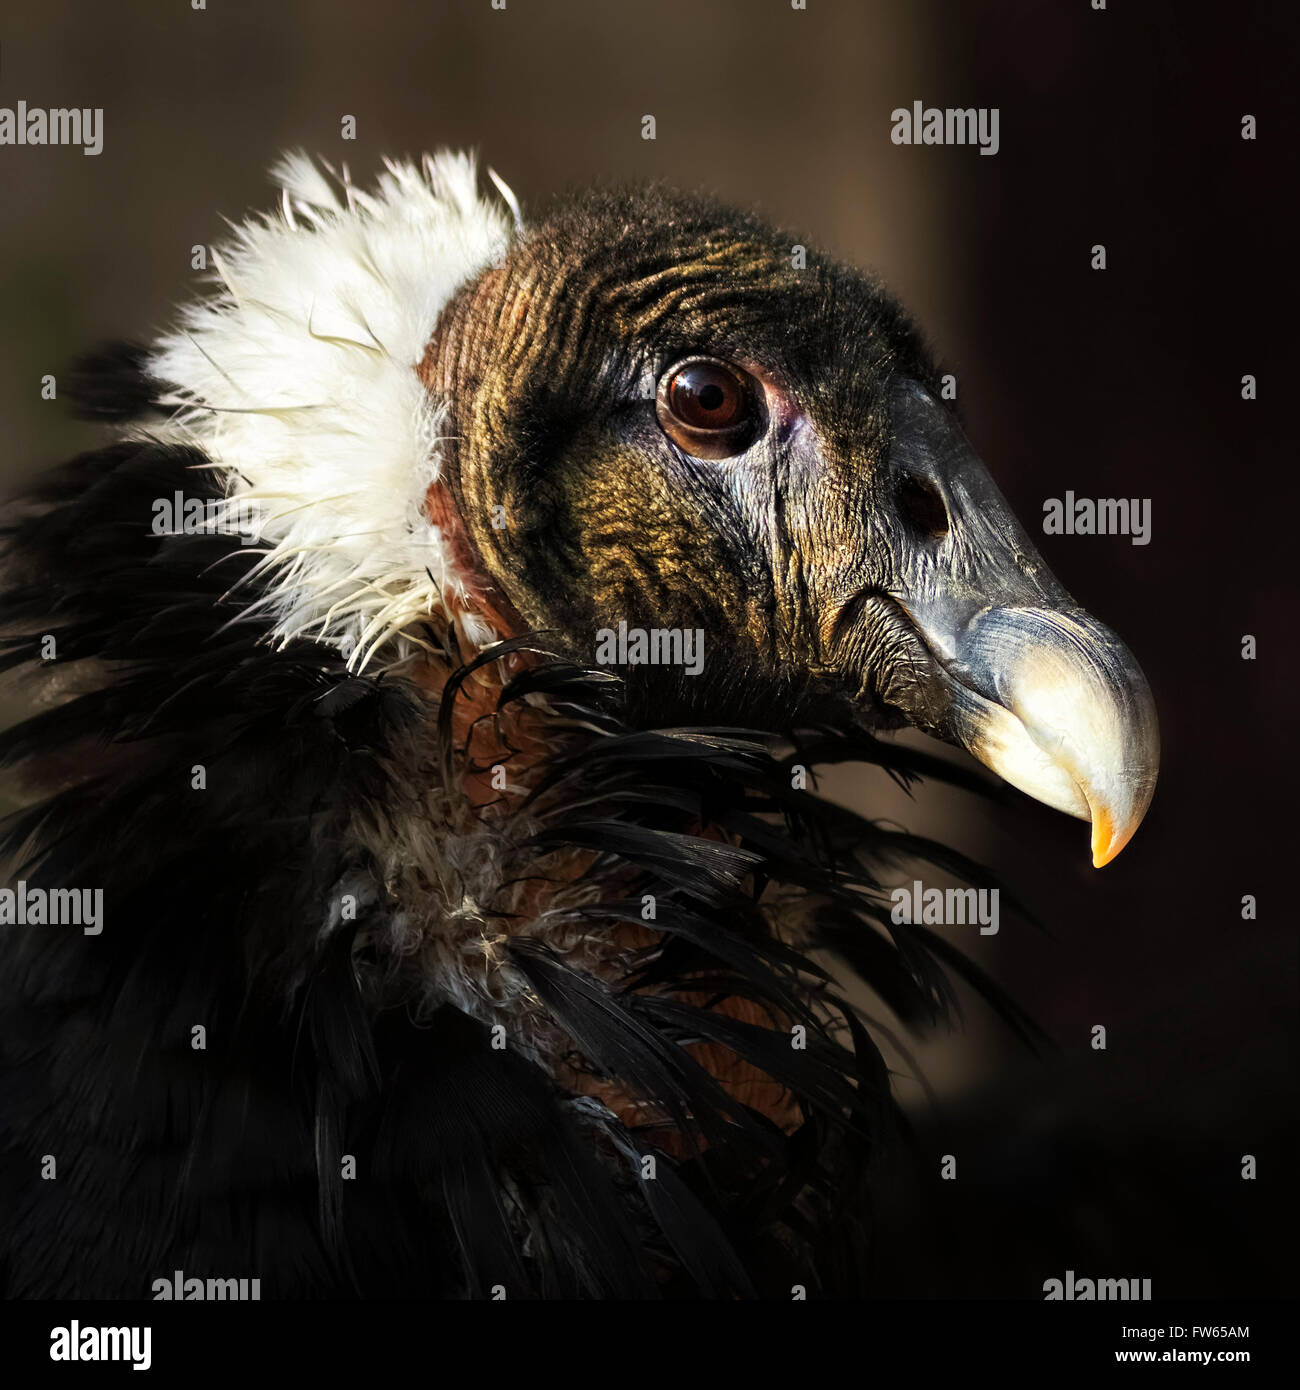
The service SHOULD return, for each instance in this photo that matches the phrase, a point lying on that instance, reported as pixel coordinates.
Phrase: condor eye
(708, 408)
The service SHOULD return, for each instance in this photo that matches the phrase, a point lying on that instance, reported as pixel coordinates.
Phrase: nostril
(921, 503)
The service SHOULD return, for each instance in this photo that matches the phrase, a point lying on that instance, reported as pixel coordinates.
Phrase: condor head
(663, 417)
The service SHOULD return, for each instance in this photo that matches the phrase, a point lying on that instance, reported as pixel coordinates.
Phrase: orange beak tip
(1106, 842)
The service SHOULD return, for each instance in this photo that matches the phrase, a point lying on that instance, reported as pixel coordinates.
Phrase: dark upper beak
(1023, 678)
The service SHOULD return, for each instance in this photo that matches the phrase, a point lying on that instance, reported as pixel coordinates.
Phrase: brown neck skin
(513, 739)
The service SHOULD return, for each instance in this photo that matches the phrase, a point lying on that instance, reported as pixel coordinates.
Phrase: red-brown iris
(708, 408)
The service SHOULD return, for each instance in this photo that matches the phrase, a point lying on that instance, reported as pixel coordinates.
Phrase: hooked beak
(1055, 704)
(1029, 683)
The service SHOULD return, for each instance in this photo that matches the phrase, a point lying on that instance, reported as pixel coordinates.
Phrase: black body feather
(474, 1167)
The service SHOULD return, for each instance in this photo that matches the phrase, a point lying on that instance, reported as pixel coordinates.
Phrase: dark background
(1120, 127)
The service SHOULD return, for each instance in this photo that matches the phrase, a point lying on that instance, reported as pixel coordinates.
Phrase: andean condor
(431, 665)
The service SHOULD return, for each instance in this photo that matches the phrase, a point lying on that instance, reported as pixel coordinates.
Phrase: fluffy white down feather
(297, 379)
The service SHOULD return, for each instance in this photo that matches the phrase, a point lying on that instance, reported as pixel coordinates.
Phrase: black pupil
(711, 396)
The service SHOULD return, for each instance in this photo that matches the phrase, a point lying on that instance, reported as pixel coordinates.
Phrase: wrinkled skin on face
(853, 558)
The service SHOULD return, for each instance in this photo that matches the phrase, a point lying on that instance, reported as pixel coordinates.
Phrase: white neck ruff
(297, 378)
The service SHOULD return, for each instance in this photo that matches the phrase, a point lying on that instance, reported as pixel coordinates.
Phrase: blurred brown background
(1120, 127)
